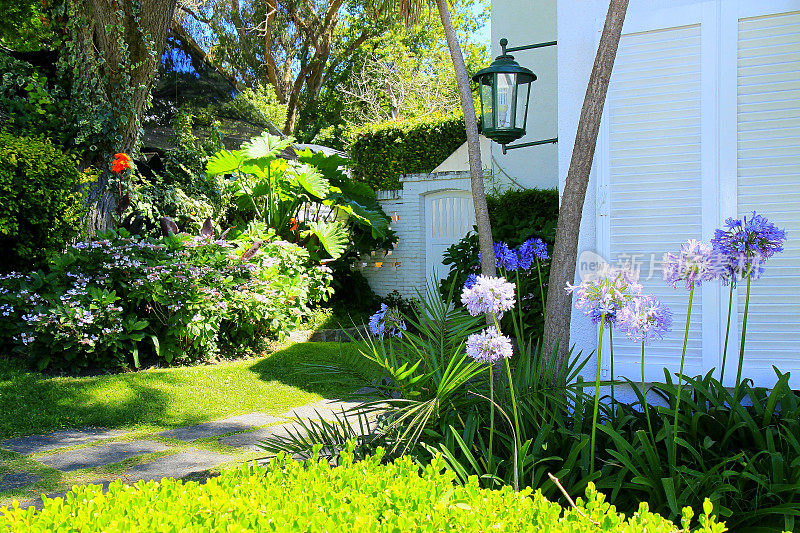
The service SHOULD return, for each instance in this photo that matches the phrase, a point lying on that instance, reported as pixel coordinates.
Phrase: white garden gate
(429, 214)
(449, 216)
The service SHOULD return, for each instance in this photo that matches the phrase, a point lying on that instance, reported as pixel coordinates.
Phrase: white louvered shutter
(768, 161)
(654, 178)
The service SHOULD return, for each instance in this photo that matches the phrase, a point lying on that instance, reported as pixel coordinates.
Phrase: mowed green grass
(156, 399)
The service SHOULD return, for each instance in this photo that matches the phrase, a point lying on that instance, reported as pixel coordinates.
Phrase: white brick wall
(404, 268)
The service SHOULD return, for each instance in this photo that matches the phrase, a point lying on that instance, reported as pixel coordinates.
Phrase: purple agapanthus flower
(531, 250)
(606, 293)
(644, 319)
(387, 321)
(471, 280)
(505, 257)
(695, 263)
(489, 346)
(745, 245)
(489, 295)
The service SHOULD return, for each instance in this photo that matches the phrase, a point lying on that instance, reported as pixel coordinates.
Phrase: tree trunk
(485, 243)
(562, 269)
(117, 50)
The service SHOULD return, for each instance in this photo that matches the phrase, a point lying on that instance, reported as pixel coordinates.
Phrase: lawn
(159, 399)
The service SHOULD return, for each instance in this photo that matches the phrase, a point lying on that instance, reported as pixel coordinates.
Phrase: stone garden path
(99, 456)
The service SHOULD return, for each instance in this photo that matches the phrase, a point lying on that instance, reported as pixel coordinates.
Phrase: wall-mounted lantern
(505, 88)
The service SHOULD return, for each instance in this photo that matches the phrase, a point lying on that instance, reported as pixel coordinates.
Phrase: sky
(484, 34)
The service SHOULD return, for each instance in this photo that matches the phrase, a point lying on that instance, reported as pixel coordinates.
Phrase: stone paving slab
(100, 455)
(325, 409)
(250, 440)
(220, 427)
(58, 439)
(17, 480)
(178, 465)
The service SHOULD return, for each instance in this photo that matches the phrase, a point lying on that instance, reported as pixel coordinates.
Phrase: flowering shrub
(108, 302)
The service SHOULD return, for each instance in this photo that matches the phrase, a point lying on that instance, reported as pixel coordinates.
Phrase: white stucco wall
(525, 22)
(458, 161)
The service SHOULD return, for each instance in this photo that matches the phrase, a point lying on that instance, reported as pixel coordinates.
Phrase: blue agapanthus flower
(489, 295)
(531, 250)
(695, 263)
(745, 245)
(644, 319)
(505, 257)
(605, 294)
(472, 279)
(387, 321)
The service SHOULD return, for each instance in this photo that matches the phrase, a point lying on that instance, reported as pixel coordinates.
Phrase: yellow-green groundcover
(357, 496)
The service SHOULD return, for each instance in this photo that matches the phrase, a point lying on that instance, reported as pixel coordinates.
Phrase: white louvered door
(768, 162)
(703, 122)
(653, 189)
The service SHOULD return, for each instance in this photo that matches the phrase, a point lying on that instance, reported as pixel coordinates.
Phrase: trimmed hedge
(40, 207)
(364, 496)
(380, 153)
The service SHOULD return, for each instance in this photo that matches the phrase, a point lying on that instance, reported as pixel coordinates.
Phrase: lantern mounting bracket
(554, 140)
(506, 49)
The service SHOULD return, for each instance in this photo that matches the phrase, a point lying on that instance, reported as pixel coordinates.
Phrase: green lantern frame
(516, 78)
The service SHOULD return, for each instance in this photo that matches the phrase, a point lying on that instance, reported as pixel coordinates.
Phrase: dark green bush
(362, 496)
(40, 206)
(518, 215)
(380, 153)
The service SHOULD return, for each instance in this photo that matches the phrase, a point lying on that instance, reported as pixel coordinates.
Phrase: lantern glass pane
(504, 104)
(522, 104)
(486, 103)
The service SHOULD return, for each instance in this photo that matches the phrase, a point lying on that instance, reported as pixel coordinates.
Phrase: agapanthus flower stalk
(645, 319)
(743, 247)
(694, 264)
(601, 297)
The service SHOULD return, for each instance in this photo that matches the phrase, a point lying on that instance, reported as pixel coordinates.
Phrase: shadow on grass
(299, 366)
(157, 399)
(33, 403)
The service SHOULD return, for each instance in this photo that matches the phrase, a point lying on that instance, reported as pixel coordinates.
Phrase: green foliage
(33, 104)
(516, 216)
(115, 302)
(25, 26)
(302, 200)
(737, 448)
(178, 188)
(40, 206)
(356, 496)
(380, 153)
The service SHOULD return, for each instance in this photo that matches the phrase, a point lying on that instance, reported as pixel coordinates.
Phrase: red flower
(121, 162)
(293, 222)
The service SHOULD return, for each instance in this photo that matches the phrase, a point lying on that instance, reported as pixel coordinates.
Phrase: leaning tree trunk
(485, 243)
(116, 47)
(562, 269)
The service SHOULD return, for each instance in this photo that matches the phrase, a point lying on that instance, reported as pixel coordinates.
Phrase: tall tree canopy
(305, 50)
